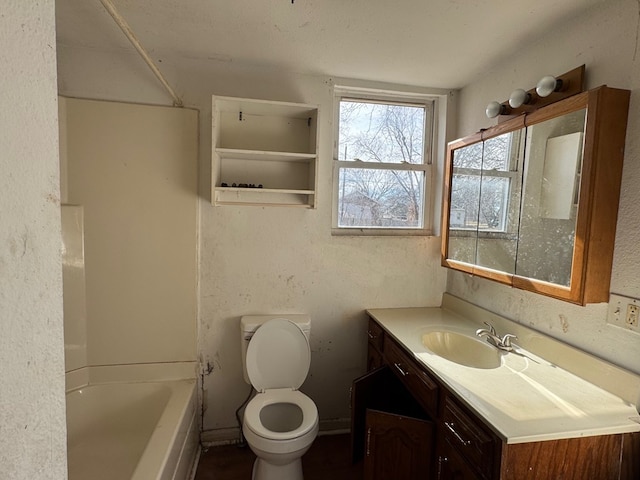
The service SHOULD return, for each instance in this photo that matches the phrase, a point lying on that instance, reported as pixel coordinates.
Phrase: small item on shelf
(242, 185)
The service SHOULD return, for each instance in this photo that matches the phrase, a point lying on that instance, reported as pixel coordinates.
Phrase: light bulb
(519, 97)
(494, 109)
(547, 85)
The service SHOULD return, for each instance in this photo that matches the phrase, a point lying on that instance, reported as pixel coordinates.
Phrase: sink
(462, 349)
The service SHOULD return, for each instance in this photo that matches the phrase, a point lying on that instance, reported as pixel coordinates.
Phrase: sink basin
(462, 349)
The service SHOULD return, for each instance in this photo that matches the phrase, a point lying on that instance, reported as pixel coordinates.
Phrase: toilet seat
(281, 395)
(278, 356)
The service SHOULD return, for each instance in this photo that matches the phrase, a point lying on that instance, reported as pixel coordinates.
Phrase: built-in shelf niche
(264, 152)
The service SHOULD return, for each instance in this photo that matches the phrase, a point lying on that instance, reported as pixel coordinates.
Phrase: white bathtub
(137, 431)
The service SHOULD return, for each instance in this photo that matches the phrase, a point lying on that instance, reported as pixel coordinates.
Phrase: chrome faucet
(494, 339)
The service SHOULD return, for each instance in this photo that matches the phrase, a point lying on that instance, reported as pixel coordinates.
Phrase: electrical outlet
(624, 312)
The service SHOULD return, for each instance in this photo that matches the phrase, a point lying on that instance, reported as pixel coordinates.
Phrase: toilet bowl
(280, 423)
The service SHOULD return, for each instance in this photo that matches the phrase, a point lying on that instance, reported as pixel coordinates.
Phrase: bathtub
(137, 431)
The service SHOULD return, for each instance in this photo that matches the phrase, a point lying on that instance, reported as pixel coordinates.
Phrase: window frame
(430, 103)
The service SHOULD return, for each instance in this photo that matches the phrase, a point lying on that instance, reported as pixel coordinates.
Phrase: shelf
(234, 153)
(265, 191)
(263, 197)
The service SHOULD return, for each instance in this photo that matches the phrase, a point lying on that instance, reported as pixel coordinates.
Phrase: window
(382, 163)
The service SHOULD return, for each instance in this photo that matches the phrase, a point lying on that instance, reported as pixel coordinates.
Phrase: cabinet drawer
(417, 380)
(466, 435)
(375, 335)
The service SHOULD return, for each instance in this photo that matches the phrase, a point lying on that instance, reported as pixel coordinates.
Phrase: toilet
(280, 423)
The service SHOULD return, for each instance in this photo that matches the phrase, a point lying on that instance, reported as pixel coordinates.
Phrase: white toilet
(280, 423)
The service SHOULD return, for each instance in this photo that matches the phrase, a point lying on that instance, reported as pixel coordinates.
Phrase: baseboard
(230, 436)
(335, 426)
(220, 436)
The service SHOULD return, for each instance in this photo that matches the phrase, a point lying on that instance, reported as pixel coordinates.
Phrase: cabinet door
(499, 203)
(378, 390)
(483, 201)
(451, 466)
(369, 391)
(397, 447)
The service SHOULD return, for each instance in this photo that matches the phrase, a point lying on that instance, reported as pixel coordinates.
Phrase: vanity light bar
(548, 90)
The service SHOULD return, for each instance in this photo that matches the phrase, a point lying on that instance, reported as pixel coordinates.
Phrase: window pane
(489, 213)
(468, 157)
(497, 152)
(494, 200)
(380, 198)
(465, 194)
(379, 132)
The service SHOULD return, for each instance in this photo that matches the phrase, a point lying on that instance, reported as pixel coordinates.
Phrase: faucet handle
(491, 329)
(506, 340)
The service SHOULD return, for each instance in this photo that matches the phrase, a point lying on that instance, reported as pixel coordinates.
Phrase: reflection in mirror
(550, 198)
(499, 209)
(464, 203)
(485, 202)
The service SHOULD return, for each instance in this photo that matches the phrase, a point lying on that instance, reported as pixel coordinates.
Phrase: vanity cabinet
(375, 342)
(408, 425)
(263, 152)
(392, 432)
(533, 202)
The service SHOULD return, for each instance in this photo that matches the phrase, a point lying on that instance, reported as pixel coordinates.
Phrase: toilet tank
(250, 323)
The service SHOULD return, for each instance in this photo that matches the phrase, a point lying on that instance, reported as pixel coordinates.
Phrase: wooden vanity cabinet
(466, 449)
(407, 425)
(375, 339)
(393, 406)
(421, 385)
(452, 466)
(391, 434)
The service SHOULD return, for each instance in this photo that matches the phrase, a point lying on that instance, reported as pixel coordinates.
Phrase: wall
(606, 40)
(271, 260)
(133, 169)
(32, 402)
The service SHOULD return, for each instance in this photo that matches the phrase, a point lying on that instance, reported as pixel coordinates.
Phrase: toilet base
(263, 470)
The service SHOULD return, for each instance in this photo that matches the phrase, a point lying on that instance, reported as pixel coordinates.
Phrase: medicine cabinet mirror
(533, 201)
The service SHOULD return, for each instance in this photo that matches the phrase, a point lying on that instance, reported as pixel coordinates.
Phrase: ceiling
(435, 43)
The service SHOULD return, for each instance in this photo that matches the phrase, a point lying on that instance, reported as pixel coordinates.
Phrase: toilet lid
(278, 356)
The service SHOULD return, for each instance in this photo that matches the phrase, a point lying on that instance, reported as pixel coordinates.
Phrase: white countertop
(525, 399)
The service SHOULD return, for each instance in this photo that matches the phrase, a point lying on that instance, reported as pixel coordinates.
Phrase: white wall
(271, 260)
(605, 39)
(32, 402)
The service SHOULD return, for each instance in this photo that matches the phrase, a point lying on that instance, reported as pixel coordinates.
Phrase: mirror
(485, 202)
(526, 199)
(465, 195)
(500, 201)
(550, 198)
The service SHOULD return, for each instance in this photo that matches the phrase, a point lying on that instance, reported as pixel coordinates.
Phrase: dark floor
(328, 458)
